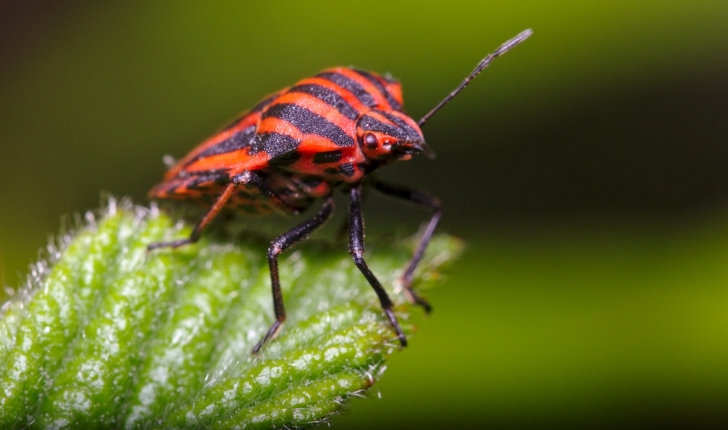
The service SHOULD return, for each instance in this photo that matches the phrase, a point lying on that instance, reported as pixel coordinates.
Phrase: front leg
(356, 249)
(431, 202)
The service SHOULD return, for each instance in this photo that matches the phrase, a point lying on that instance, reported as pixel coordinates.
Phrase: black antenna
(479, 68)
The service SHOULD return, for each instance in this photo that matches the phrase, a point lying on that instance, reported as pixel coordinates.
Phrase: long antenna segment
(479, 68)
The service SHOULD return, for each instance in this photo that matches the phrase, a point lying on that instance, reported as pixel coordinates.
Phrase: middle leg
(283, 242)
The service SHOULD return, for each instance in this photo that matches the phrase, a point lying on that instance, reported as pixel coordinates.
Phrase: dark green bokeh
(586, 169)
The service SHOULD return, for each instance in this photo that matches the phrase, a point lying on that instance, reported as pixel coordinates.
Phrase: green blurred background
(587, 170)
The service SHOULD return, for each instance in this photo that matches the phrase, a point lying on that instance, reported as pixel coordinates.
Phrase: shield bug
(328, 131)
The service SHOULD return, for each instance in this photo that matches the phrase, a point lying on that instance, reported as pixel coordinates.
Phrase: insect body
(297, 146)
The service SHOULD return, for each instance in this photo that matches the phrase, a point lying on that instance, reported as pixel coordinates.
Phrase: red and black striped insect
(331, 130)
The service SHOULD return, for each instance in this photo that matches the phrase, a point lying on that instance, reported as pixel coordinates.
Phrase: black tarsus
(479, 68)
(280, 244)
(429, 201)
(356, 249)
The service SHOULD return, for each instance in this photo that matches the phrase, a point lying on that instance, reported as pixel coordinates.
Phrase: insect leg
(356, 249)
(343, 229)
(281, 243)
(209, 216)
(429, 201)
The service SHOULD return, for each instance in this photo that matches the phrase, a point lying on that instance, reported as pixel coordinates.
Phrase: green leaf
(110, 335)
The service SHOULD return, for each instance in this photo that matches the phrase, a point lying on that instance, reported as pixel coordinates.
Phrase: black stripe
(285, 159)
(347, 169)
(406, 128)
(329, 97)
(309, 122)
(371, 78)
(204, 179)
(200, 173)
(349, 85)
(273, 144)
(326, 157)
(372, 124)
(237, 141)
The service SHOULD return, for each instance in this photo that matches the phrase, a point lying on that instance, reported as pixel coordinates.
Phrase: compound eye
(370, 141)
